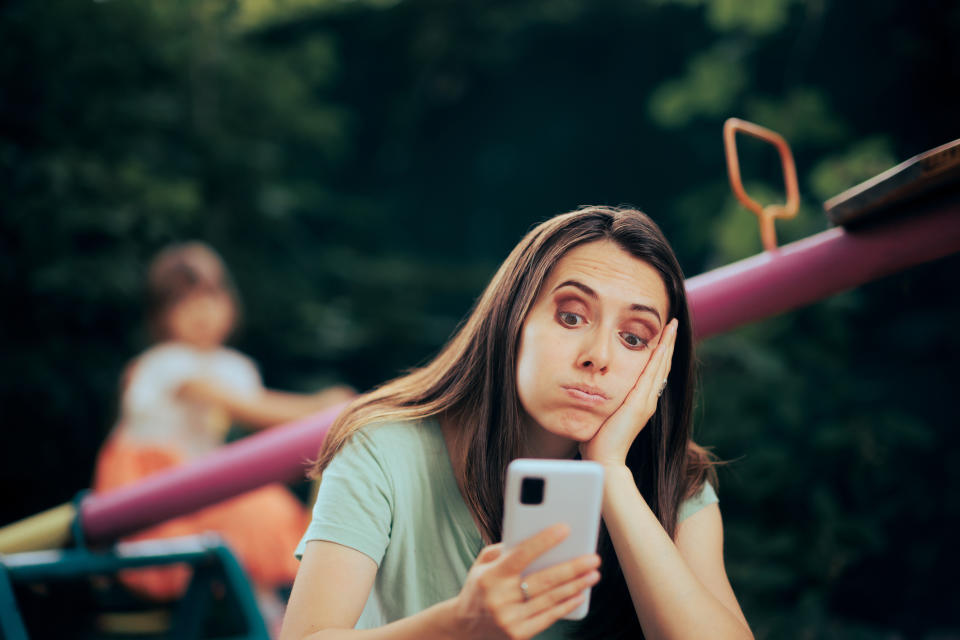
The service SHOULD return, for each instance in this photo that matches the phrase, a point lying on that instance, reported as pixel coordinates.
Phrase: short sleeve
(354, 505)
(706, 496)
(155, 377)
(237, 372)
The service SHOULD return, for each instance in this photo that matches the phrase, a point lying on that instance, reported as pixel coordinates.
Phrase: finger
(650, 379)
(490, 553)
(547, 579)
(517, 559)
(671, 338)
(666, 360)
(538, 622)
(561, 593)
(669, 332)
(664, 349)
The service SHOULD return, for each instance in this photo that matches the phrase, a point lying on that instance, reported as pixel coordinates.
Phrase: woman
(568, 352)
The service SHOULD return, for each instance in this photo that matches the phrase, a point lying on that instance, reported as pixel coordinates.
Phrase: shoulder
(703, 497)
(165, 354)
(232, 369)
(163, 361)
(153, 376)
(232, 356)
(355, 505)
(396, 443)
(404, 434)
(699, 540)
(699, 534)
(400, 450)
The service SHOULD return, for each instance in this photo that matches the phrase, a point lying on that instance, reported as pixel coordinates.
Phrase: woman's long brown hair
(472, 382)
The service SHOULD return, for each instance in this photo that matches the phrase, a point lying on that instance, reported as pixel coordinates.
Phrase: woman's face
(586, 340)
(203, 319)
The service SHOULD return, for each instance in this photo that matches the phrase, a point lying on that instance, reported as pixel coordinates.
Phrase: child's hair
(178, 271)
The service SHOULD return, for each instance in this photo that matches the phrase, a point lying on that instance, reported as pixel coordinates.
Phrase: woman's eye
(632, 340)
(570, 319)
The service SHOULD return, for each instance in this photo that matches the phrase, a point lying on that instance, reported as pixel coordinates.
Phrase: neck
(540, 443)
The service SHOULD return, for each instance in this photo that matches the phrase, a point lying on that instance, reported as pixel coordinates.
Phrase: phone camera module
(531, 491)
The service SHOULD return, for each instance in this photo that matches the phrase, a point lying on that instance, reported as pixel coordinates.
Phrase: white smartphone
(541, 493)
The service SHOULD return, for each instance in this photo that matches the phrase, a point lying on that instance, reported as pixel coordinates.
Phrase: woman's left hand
(612, 441)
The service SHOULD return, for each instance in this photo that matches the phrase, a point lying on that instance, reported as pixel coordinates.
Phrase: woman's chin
(578, 426)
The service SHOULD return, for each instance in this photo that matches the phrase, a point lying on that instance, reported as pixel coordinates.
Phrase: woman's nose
(595, 353)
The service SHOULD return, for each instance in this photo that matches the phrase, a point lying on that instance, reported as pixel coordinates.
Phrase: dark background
(363, 167)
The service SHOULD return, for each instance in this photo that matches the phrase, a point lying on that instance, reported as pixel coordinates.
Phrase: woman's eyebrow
(593, 294)
(579, 285)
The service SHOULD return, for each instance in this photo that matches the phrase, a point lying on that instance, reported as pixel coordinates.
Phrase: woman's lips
(585, 395)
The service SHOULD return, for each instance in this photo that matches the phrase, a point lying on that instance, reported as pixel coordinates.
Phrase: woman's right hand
(492, 603)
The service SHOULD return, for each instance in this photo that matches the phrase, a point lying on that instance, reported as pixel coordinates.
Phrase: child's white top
(151, 412)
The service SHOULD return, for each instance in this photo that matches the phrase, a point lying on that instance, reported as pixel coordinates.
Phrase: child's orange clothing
(158, 431)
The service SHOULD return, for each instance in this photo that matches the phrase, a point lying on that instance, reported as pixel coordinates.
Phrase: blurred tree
(126, 126)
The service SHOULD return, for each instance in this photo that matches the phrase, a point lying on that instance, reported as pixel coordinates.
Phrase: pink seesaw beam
(275, 455)
(759, 287)
(819, 266)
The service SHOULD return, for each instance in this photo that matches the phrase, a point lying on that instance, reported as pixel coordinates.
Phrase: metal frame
(209, 557)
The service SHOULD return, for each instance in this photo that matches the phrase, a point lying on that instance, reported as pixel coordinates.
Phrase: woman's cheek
(527, 379)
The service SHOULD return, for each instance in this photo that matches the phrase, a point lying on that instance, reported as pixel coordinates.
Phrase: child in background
(178, 400)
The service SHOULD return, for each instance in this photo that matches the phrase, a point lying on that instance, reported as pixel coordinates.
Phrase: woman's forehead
(611, 272)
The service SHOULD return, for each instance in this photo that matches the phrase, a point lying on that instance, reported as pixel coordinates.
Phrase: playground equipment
(215, 569)
(772, 282)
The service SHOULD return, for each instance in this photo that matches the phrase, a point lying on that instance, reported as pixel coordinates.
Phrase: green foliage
(712, 83)
(861, 161)
(756, 17)
(803, 117)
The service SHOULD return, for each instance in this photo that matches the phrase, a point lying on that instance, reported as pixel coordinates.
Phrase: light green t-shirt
(390, 493)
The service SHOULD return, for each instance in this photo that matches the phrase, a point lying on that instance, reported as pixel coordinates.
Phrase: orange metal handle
(767, 214)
